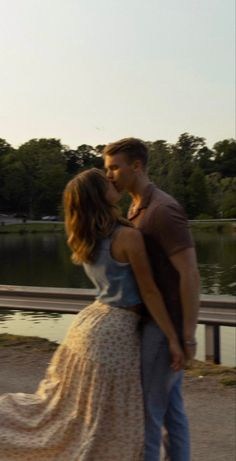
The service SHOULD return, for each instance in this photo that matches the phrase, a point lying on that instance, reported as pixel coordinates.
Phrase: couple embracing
(95, 402)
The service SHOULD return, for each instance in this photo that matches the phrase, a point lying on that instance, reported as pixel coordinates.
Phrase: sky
(95, 71)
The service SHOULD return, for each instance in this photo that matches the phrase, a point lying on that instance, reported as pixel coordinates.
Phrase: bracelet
(190, 343)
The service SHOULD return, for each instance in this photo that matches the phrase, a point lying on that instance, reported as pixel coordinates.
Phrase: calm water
(44, 260)
(217, 262)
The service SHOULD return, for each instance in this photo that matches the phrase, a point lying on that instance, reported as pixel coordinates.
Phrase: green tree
(35, 175)
(51, 180)
(87, 157)
(32, 177)
(214, 194)
(205, 159)
(15, 190)
(99, 149)
(197, 193)
(228, 197)
(83, 157)
(5, 150)
(225, 157)
(72, 166)
(176, 183)
(184, 155)
(159, 163)
(187, 149)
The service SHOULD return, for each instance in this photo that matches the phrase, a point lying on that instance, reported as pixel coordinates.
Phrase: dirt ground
(210, 394)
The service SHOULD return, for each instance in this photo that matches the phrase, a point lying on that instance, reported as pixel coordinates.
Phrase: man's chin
(118, 188)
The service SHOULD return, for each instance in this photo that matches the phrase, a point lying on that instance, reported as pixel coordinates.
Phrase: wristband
(190, 343)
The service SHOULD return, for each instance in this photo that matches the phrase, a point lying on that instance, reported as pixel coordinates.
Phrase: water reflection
(39, 260)
(44, 260)
(34, 315)
(217, 262)
(44, 325)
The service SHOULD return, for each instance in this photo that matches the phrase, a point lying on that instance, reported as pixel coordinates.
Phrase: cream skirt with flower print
(89, 405)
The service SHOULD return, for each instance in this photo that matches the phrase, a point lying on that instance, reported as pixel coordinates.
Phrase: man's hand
(190, 348)
(177, 355)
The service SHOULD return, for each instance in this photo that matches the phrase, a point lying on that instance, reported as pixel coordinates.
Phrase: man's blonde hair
(132, 148)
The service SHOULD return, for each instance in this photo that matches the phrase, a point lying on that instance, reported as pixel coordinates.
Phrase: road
(210, 405)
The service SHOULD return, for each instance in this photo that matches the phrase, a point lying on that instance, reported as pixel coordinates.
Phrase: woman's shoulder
(128, 234)
(126, 240)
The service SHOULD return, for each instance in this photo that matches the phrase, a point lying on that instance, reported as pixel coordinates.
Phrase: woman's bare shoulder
(129, 231)
(129, 235)
(125, 240)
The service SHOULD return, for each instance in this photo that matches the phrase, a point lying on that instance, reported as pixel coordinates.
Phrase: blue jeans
(162, 398)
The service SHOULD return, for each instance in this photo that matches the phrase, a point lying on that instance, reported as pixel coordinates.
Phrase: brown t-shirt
(165, 229)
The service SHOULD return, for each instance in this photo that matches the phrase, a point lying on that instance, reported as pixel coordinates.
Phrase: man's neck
(138, 189)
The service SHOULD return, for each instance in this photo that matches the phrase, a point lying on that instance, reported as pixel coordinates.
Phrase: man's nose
(109, 174)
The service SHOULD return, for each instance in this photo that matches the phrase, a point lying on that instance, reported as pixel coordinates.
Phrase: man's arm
(186, 265)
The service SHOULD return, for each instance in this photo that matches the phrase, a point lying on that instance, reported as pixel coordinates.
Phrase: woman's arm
(133, 248)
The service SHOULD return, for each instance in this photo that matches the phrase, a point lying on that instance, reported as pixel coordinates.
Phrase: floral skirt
(89, 405)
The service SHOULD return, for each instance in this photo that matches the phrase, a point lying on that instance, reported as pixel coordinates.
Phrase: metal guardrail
(219, 310)
(215, 311)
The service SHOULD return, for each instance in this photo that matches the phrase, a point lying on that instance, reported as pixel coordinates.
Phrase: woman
(89, 406)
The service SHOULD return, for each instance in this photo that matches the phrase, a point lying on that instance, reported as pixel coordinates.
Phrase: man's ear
(137, 165)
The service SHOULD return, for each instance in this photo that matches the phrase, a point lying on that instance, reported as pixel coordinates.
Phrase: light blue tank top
(114, 280)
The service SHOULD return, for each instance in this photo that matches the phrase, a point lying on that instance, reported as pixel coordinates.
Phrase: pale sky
(94, 71)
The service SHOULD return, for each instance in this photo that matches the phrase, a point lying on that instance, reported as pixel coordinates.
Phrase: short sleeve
(170, 228)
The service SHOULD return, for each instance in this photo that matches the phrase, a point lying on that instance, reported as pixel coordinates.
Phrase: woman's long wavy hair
(89, 216)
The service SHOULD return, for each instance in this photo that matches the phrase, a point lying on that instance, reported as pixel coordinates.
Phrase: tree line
(203, 180)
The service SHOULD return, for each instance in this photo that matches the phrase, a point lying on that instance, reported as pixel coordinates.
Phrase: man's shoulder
(166, 222)
(161, 201)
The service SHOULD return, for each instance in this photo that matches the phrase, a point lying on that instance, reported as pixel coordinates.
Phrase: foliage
(159, 161)
(197, 193)
(203, 180)
(225, 153)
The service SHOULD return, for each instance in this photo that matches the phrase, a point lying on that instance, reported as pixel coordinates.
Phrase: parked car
(49, 218)
(20, 215)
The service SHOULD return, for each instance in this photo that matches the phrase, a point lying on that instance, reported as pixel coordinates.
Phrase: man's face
(112, 195)
(120, 172)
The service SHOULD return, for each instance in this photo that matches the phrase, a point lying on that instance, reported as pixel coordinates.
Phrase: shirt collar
(147, 193)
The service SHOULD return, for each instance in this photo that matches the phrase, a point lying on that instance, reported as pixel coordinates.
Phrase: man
(171, 250)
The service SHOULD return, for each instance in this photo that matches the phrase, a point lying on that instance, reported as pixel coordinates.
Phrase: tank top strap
(106, 243)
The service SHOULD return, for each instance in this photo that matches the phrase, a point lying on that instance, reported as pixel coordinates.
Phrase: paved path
(210, 405)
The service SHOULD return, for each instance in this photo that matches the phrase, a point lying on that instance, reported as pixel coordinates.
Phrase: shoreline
(224, 375)
(38, 227)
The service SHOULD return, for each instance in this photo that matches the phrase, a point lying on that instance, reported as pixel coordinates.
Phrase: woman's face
(112, 194)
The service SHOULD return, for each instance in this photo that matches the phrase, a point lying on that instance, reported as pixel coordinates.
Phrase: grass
(25, 228)
(27, 342)
(221, 227)
(224, 375)
(228, 382)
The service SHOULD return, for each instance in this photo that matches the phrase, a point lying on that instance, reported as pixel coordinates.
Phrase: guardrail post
(217, 344)
(209, 342)
(212, 340)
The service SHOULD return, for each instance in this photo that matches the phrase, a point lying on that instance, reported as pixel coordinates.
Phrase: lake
(44, 260)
